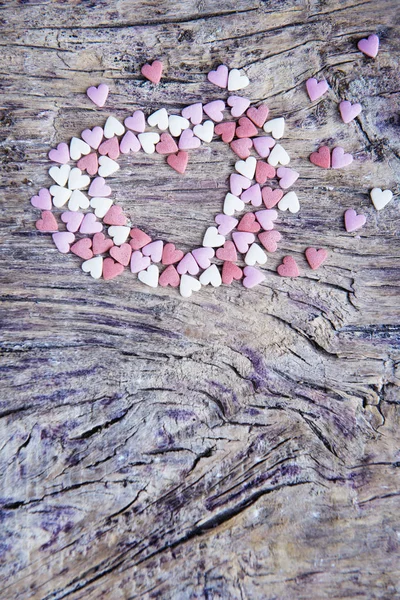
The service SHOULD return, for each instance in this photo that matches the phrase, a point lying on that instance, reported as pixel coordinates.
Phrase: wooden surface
(238, 444)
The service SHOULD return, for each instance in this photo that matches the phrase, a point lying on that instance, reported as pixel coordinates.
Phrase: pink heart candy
(252, 277)
(137, 122)
(110, 148)
(153, 72)
(349, 111)
(169, 277)
(98, 95)
(238, 183)
(73, 220)
(253, 195)
(266, 218)
(154, 250)
(219, 77)
(315, 257)
(178, 161)
(47, 222)
(263, 145)
(246, 128)
(63, 241)
(166, 145)
(238, 105)
(226, 223)
(203, 256)
(353, 221)
(270, 239)
(258, 115)
(98, 188)
(227, 252)
(369, 46)
(194, 113)
(288, 268)
(139, 262)
(90, 224)
(316, 89)
(188, 140)
(93, 137)
(82, 248)
(242, 240)
(340, 159)
(111, 269)
(287, 177)
(121, 254)
(89, 163)
(242, 147)
(215, 110)
(60, 154)
(42, 200)
(188, 264)
(129, 143)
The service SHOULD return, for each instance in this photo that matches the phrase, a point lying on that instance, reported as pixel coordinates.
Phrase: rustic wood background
(237, 444)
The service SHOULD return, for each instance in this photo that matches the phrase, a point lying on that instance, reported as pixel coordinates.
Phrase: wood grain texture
(238, 444)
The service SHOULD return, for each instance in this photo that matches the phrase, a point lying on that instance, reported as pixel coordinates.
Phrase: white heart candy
(380, 197)
(148, 141)
(275, 127)
(159, 119)
(231, 204)
(94, 266)
(119, 233)
(177, 124)
(277, 155)
(211, 275)
(149, 276)
(188, 285)
(255, 254)
(77, 181)
(113, 127)
(247, 167)
(204, 132)
(60, 195)
(101, 206)
(78, 147)
(236, 81)
(60, 174)
(107, 166)
(78, 200)
(213, 239)
(289, 201)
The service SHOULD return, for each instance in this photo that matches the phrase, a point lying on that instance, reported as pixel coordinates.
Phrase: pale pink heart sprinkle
(139, 262)
(137, 122)
(242, 240)
(266, 218)
(238, 105)
(98, 188)
(253, 195)
(369, 46)
(188, 264)
(340, 159)
(73, 220)
(252, 277)
(353, 221)
(287, 177)
(226, 223)
(60, 154)
(154, 250)
(238, 183)
(129, 143)
(194, 113)
(219, 77)
(215, 110)
(263, 145)
(98, 95)
(203, 256)
(349, 111)
(63, 241)
(90, 224)
(93, 137)
(188, 140)
(315, 88)
(42, 200)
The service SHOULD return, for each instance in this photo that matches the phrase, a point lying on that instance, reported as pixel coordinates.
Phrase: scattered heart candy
(353, 221)
(137, 122)
(248, 223)
(219, 77)
(170, 254)
(258, 115)
(113, 127)
(242, 147)
(77, 148)
(242, 240)
(266, 218)
(340, 159)
(178, 161)
(289, 202)
(316, 89)
(177, 124)
(153, 72)
(287, 177)
(121, 254)
(252, 277)
(230, 271)
(288, 268)
(98, 95)
(226, 131)
(255, 255)
(271, 197)
(73, 220)
(90, 224)
(270, 239)
(238, 105)
(61, 195)
(226, 223)
(238, 183)
(276, 127)
(263, 145)
(148, 141)
(99, 188)
(369, 46)
(60, 154)
(321, 158)
(82, 248)
(188, 264)
(154, 250)
(60, 174)
(380, 198)
(188, 141)
(101, 206)
(159, 119)
(246, 128)
(227, 252)
(252, 194)
(93, 137)
(110, 148)
(205, 132)
(211, 276)
(115, 216)
(129, 143)
(119, 234)
(139, 238)
(166, 145)
(247, 167)
(89, 163)
(203, 256)
(42, 200)
(111, 268)
(236, 81)
(214, 110)
(213, 239)
(231, 204)
(101, 244)
(315, 257)
(94, 266)
(349, 111)
(189, 285)
(169, 276)
(63, 241)
(278, 155)
(139, 262)
(47, 222)
(107, 166)
(78, 181)
(194, 113)
(264, 171)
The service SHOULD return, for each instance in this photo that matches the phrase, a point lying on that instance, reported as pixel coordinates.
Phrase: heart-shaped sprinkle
(121, 254)
(290, 202)
(169, 276)
(315, 257)
(238, 183)
(238, 105)
(139, 238)
(255, 255)
(203, 256)
(188, 141)
(60, 154)
(252, 277)
(148, 141)
(226, 131)
(189, 285)
(188, 264)
(110, 148)
(154, 250)
(171, 254)
(77, 148)
(99, 188)
(159, 119)
(242, 240)
(82, 248)
(129, 143)
(263, 145)
(353, 221)
(111, 269)
(42, 200)
(107, 166)
(93, 136)
(98, 95)
(227, 252)
(101, 244)
(340, 159)
(288, 268)
(153, 71)
(211, 276)
(113, 127)
(246, 128)
(139, 262)
(90, 224)
(60, 174)
(178, 161)
(89, 163)
(150, 276)
(94, 266)
(321, 158)
(266, 218)
(219, 77)
(119, 234)
(230, 271)
(214, 110)
(270, 239)
(73, 220)
(177, 124)
(248, 223)
(349, 111)
(271, 197)
(278, 155)
(287, 177)
(264, 171)
(60, 195)
(231, 204)
(205, 132)
(253, 195)
(369, 46)
(63, 241)
(194, 113)
(101, 206)
(137, 122)
(247, 167)
(115, 216)
(226, 223)
(276, 127)
(213, 239)
(78, 181)
(242, 147)
(236, 81)
(380, 198)
(166, 145)
(258, 115)
(316, 89)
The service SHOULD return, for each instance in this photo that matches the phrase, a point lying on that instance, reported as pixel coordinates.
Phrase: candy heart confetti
(137, 122)
(101, 206)
(177, 124)
(154, 250)
(349, 111)
(271, 197)
(353, 221)
(214, 110)
(194, 113)
(148, 141)
(169, 276)
(230, 271)
(129, 143)
(205, 132)
(287, 177)
(288, 268)
(289, 202)
(42, 200)
(263, 145)
(238, 105)
(188, 264)
(98, 95)
(315, 257)
(252, 277)
(188, 141)
(340, 159)
(242, 147)
(94, 266)
(226, 131)
(93, 137)
(47, 222)
(321, 158)
(178, 161)
(236, 81)
(159, 119)
(60, 154)
(113, 127)
(247, 167)
(266, 218)
(246, 128)
(270, 239)
(63, 241)
(82, 248)
(278, 155)
(219, 77)
(211, 276)
(77, 148)
(255, 255)
(369, 46)
(111, 268)
(276, 127)
(380, 198)
(258, 115)
(316, 89)
(153, 71)
(188, 285)
(139, 262)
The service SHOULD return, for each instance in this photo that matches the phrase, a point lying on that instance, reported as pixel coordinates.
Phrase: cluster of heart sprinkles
(98, 149)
